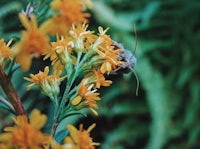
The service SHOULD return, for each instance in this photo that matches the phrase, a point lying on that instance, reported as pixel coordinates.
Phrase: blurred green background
(166, 113)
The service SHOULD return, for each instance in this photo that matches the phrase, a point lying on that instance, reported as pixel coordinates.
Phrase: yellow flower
(86, 97)
(69, 12)
(33, 41)
(97, 78)
(81, 37)
(60, 53)
(79, 139)
(107, 52)
(26, 134)
(4, 51)
(49, 84)
(110, 61)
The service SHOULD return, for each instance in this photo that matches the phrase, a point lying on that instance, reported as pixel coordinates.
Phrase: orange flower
(81, 37)
(79, 139)
(4, 51)
(49, 84)
(107, 52)
(110, 61)
(96, 77)
(60, 53)
(33, 41)
(86, 97)
(69, 12)
(26, 134)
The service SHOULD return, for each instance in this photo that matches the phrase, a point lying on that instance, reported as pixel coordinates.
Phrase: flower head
(26, 134)
(60, 53)
(97, 78)
(86, 97)
(5, 53)
(107, 52)
(110, 61)
(79, 139)
(33, 41)
(81, 37)
(49, 84)
(68, 12)
(68, 9)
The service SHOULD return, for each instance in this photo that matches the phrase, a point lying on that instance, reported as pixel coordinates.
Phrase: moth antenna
(136, 40)
(137, 80)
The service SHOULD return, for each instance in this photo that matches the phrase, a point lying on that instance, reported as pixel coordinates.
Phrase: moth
(128, 58)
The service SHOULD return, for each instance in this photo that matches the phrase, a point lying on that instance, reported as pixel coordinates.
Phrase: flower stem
(11, 93)
(60, 109)
(55, 125)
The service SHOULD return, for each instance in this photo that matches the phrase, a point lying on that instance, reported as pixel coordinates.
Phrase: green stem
(78, 58)
(60, 109)
(54, 128)
(86, 57)
(56, 119)
(71, 78)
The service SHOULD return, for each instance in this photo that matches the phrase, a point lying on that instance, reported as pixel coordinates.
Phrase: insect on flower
(128, 58)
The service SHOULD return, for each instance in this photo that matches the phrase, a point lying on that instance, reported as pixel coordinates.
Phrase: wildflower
(33, 41)
(69, 12)
(49, 84)
(107, 52)
(86, 97)
(81, 37)
(110, 61)
(4, 51)
(26, 134)
(96, 77)
(60, 53)
(106, 38)
(79, 139)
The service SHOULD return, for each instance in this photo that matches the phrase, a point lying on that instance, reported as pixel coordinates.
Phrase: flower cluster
(27, 134)
(84, 52)
(68, 13)
(33, 41)
(79, 58)
(86, 95)
(79, 138)
(49, 84)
